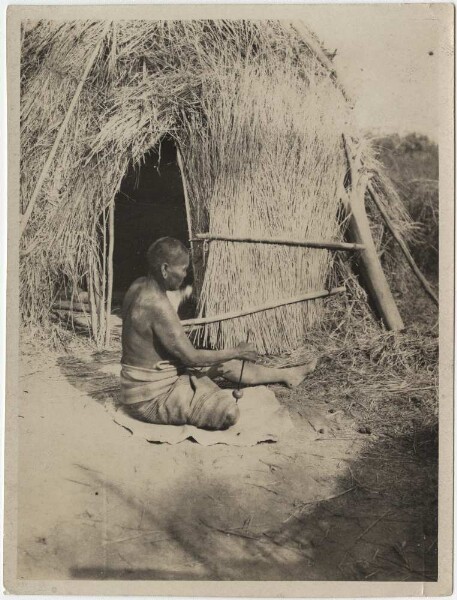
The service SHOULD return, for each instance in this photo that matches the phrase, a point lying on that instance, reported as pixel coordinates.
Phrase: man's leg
(211, 407)
(172, 408)
(254, 374)
(194, 400)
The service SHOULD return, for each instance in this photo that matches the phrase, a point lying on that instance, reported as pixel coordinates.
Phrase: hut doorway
(150, 204)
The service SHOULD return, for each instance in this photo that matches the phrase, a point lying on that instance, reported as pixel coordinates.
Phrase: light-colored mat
(262, 419)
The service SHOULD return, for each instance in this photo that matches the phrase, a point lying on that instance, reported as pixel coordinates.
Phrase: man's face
(176, 272)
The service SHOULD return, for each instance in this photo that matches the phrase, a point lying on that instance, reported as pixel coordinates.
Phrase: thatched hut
(201, 129)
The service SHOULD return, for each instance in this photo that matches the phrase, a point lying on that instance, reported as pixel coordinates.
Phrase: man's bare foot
(293, 376)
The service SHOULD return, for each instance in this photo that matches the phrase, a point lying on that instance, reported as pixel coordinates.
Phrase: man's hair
(164, 250)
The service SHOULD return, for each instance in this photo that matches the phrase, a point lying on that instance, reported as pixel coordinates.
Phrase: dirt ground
(333, 501)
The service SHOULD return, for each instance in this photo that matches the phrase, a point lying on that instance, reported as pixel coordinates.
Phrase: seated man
(163, 379)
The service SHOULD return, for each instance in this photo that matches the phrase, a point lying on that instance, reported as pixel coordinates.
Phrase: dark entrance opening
(149, 205)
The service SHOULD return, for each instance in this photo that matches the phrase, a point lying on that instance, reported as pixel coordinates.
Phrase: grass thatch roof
(259, 122)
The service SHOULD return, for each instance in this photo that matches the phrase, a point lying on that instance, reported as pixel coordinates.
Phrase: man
(164, 379)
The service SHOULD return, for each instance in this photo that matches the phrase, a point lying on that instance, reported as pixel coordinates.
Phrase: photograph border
(442, 12)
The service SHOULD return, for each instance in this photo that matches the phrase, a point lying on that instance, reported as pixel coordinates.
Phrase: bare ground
(338, 499)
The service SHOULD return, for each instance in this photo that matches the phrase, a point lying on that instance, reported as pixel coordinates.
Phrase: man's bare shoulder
(136, 286)
(144, 297)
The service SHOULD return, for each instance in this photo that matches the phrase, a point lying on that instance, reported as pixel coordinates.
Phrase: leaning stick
(325, 61)
(256, 309)
(420, 276)
(52, 153)
(360, 232)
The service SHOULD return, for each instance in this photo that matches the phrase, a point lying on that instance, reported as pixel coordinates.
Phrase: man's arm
(167, 326)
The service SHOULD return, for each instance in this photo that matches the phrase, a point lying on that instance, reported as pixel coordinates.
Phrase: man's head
(168, 261)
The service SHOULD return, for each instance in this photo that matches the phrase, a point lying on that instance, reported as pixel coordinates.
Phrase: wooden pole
(186, 196)
(93, 304)
(100, 307)
(104, 260)
(280, 241)
(63, 126)
(242, 313)
(370, 265)
(196, 255)
(420, 276)
(110, 273)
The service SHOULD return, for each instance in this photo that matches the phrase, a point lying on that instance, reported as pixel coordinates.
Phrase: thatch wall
(259, 124)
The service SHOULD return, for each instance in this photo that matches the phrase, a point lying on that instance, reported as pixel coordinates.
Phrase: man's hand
(246, 352)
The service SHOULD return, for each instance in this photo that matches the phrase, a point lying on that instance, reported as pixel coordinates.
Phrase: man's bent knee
(232, 414)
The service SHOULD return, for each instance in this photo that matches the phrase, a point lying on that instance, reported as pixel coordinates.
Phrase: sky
(390, 61)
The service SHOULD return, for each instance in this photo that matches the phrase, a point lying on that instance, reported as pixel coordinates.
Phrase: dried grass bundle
(272, 164)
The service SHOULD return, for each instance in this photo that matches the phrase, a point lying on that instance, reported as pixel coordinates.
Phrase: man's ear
(164, 270)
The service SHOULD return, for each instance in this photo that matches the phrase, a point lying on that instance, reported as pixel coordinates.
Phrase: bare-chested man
(166, 380)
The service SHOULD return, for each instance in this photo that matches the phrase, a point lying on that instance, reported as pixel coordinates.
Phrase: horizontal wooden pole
(201, 237)
(242, 313)
(72, 305)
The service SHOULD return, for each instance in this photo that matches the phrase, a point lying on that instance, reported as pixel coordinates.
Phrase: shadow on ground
(255, 515)
(87, 376)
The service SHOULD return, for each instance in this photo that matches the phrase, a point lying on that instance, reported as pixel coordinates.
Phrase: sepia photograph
(225, 311)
